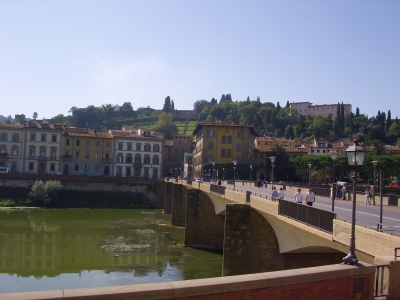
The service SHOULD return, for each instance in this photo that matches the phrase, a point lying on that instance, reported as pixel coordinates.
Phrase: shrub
(45, 191)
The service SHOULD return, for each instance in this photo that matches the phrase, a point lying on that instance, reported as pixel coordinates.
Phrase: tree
(166, 125)
(45, 191)
(167, 105)
(199, 105)
(35, 115)
(287, 104)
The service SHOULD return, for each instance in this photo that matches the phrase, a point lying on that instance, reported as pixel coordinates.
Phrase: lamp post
(333, 156)
(309, 174)
(355, 156)
(272, 158)
(374, 163)
(223, 173)
(234, 173)
(380, 199)
(251, 169)
(213, 175)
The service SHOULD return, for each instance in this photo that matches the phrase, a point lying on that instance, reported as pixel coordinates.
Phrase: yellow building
(222, 143)
(87, 152)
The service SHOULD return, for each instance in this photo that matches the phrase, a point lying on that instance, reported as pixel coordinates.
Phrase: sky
(55, 55)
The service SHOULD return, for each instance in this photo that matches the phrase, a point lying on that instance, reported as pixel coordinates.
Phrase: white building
(306, 108)
(137, 152)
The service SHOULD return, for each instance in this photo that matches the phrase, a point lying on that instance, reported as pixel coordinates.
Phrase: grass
(15, 202)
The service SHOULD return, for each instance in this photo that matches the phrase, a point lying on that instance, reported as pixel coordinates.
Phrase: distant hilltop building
(306, 108)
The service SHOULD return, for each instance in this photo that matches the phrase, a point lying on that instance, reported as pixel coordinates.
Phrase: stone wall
(178, 211)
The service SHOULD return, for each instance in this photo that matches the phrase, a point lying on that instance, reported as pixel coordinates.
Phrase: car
(199, 179)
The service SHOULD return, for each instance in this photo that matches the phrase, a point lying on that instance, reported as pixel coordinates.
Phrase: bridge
(260, 235)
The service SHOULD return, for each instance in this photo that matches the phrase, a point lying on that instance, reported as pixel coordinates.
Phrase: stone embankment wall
(89, 189)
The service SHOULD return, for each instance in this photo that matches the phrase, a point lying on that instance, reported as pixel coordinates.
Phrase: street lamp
(355, 156)
(234, 173)
(333, 156)
(213, 176)
(374, 163)
(223, 173)
(251, 169)
(309, 174)
(272, 158)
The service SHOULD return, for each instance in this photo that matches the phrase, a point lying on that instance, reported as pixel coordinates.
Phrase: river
(82, 248)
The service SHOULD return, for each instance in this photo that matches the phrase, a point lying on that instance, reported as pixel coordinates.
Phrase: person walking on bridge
(310, 197)
(298, 197)
(274, 193)
(281, 194)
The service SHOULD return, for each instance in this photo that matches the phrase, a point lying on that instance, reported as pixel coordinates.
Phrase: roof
(43, 126)
(83, 132)
(12, 126)
(169, 143)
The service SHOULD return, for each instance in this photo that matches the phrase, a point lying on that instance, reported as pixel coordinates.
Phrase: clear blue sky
(59, 54)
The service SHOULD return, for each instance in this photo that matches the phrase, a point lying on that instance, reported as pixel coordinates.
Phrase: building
(222, 143)
(174, 153)
(42, 145)
(86, 152)
(11, 145)
(137, 152)
(306, 108)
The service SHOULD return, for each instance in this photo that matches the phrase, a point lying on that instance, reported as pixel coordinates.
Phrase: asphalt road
(366, 215)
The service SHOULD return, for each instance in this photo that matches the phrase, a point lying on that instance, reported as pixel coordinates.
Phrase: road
(366, 215)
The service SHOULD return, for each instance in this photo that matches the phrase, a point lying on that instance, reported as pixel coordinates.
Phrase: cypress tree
(342, 118)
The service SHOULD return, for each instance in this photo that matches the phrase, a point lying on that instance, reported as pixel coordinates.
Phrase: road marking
(360, 212)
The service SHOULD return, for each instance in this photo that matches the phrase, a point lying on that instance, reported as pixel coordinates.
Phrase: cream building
(11, 141)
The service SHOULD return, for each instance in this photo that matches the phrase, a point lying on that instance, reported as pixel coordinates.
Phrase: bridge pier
(203, 229)
(178, 209)
(168, 197)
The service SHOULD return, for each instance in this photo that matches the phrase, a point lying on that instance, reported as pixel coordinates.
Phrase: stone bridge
(254, 237)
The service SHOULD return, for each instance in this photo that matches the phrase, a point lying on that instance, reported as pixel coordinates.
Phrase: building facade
(222, 143)
(137, 152)
(86, 152)
(307, 108)
(174, 154)
(11, 145)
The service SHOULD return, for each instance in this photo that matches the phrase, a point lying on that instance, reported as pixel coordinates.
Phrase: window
(138, 159)
(108, 144)
(52, 167)
(32, 151)
(223, 152)
(120, 145)
(138, 147)
(229, 153)
(176, 151)
(43, 137)
(129, 146)
(76, 167)
(156, 148)
(210, 158)
(54, 138)
(229, 139)
(147, 159)
(31, 166)
(129, 158)
(76, 154)
(210, 146)
(119, 171)
(78, 142)
(96, 168)
(67, 142)
(156, 160)
(238, 147)
(128, 172)
(239, 134)
(15, 137)
(53, 152)
(86, 167)
(4, 137)
(87, 143)
(87, 154)
(147, 147)
(223, 140)
(66, 152)
(120, 158)
(211, 133)
(107, 155)
(97, 155)
(97, 143)
(14, 150)
(3, 149)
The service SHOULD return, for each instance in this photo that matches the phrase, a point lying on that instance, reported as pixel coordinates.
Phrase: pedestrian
(264, 184)
(344, 192)
(297, 196)
(274, 193)
(281, 194)
(310, 197)
(259, 183)
(372, 195)
(367, 194)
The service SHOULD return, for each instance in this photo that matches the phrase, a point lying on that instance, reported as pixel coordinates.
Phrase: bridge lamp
(234, 173)
(355, 156)
(309, 174)
(213, 163)
(272, 158)
(223, 173)
(374, 163)
(251, 169)
(333, 156)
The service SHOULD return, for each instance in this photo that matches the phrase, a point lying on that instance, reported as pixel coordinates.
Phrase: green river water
(81, 248)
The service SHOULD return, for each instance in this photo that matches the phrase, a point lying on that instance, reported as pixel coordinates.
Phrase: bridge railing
(217, 189)
(381, 273)
(312, 216)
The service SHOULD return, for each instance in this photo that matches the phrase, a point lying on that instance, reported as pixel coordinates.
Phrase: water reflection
(95, 248)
